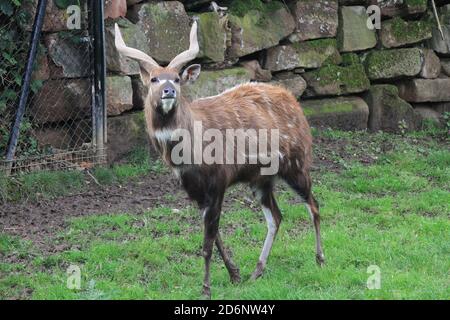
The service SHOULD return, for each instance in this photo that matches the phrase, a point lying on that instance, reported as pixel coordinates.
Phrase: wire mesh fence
(57, 128)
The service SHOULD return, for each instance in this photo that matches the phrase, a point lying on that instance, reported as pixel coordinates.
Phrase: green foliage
(63, 4)
(13, 53)
(446, 117)
(403, 126)
(7, 7)
(75, 37)
(416, 3)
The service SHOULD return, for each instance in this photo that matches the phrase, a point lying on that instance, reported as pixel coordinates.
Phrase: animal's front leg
(211, 222)
(233, 270)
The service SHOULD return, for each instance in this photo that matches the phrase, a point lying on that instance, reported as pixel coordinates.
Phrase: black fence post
(99, 113)
(35, 35)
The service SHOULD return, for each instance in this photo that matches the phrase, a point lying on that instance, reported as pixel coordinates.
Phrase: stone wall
(346, 75)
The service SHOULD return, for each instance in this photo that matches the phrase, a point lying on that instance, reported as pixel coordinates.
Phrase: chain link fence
(57, 130)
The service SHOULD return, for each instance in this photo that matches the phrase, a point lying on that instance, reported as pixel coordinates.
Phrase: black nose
(169, 92)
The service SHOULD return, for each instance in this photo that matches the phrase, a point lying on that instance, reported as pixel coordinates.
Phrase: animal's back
(260, 106)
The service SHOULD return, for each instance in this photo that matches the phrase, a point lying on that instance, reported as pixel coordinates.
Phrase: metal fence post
(35, 35)
(99, 113)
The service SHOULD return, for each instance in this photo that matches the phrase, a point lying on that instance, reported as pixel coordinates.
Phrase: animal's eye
(154, 80)
(177, 80)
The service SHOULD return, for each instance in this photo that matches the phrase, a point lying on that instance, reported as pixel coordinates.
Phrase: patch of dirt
(40, 220)
(331, 154)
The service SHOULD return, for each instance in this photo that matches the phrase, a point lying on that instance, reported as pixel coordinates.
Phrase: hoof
(233, 271)
(255, 275)
(258, 272)
(320, 259)
(235, 277)
(206, 293)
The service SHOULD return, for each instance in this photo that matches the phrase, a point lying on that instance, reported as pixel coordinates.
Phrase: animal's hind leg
(301, 183)
(233, 270)
(273, 218)
(313, 208)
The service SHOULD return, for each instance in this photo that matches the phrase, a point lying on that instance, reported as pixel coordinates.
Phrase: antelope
(247, 106)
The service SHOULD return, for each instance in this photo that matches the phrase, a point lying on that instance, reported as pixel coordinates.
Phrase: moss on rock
(315, 19)
(346, 113)
(388, 111)
(165, 25)
(212, 37)
(352, 76)
(241, 7)
(416, 5)
(119, 94)
(387, 64)
(321, 43)
(133, 37)
(306, 54)
(339, 107)
(333, 79)
(127, 133)
(398, 32)
(259, 11)
(350, 58)
(314, 53)
(214, 82)
(259, 29)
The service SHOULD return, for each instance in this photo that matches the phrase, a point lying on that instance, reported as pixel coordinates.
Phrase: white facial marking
(163, 135)
(165, 81)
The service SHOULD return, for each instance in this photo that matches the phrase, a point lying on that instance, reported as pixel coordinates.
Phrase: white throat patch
(163, 135)
(167, 105)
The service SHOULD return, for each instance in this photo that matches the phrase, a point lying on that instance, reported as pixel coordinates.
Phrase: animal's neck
(179, 118)
(161, 127)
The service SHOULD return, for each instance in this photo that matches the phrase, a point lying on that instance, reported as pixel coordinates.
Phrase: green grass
(124, 172)
(393, 214)
(50, 184)
(40, 184)
(139, 164)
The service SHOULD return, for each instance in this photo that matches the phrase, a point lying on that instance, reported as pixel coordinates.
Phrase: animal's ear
(190, 74)
(145, 75)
